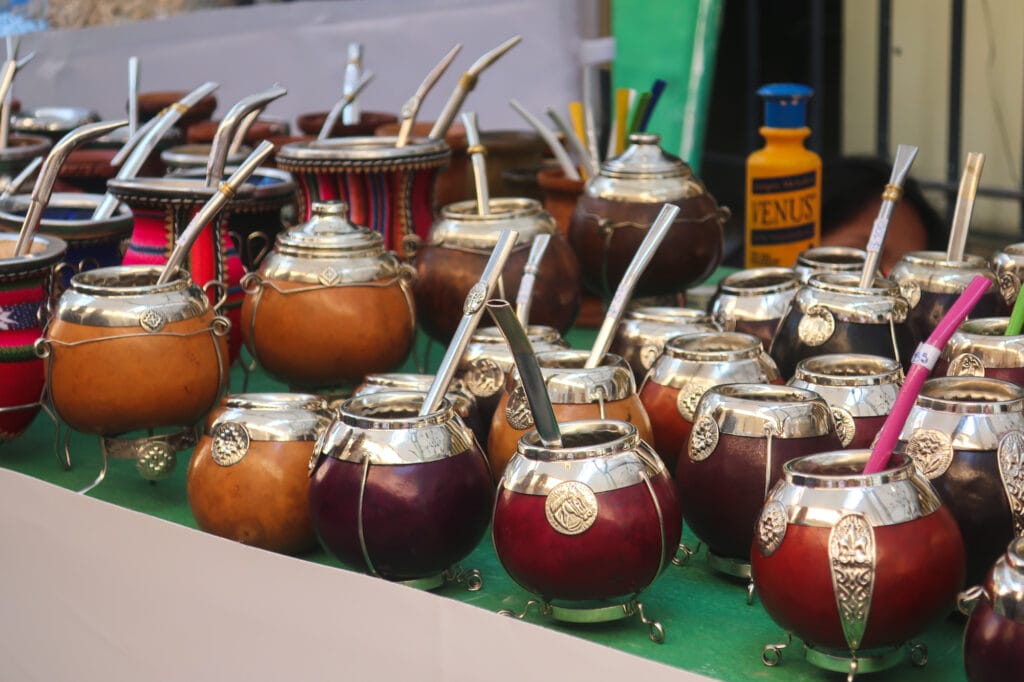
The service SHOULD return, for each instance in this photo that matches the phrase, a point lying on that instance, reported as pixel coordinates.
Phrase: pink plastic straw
(924, 359)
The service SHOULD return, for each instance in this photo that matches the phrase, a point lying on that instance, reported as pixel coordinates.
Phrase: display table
(94, 591)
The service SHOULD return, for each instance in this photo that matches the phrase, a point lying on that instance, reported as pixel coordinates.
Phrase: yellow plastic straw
(621, 115)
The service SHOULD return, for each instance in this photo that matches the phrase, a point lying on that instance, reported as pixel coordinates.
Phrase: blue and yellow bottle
(783, 214)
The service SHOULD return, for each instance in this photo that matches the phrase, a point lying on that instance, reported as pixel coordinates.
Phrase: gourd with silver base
(855, 565)
(124, 353)
(829, 259)
(754, 301)
(248, 479)
(994, 637)
(966, 436)
(980, 347)
(743, 434)
(329, 305)
(860, 389)
(641, 336)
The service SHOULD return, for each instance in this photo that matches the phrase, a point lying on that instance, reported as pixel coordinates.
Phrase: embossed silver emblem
(688, 397)
(1010, 455)
(816, 327)
(571, 507)
(771, 527)
(846, 428)
(329, 276)
(484, 378)
(648, 354)
(911, 292)
(728, 324)
(152, 321)
(475, 299)
(230, 443)
(1009, 285)
(703, 438)
(155, 460)
(517, 410)
(851, 553)
(932, 452)
(966, 365)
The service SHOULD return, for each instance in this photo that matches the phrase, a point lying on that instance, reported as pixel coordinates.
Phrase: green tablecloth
(709, 627)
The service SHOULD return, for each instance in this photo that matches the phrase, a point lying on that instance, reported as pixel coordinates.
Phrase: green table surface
(709, 627)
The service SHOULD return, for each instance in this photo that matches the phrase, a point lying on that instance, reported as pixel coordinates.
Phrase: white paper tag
(926, 355)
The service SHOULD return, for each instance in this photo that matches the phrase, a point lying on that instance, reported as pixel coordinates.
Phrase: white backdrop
(302, 46)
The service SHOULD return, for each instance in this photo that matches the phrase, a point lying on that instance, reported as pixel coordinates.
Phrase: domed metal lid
(644, 159)
(1007, 583)
(329, 229)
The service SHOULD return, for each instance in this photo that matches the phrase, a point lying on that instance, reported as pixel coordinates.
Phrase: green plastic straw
(1013, 327)
(643, 101)
(698, 91)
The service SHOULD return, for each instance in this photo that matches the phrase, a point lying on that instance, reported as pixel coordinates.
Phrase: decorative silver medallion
(152, 321)
(851, 554)
(475, 299)
(688, 397)
(932, 452)
(703, 438)
(517, 410)
(1010, 456)
(846, 428)
(230, 443)
(816, 327)
(155, 460)
(911, 292)
(484, 378)
(571, 507)
(728, 324)
(648, 354)
(966, 365)
(1009, 286)
(329, 276)
(771, 527)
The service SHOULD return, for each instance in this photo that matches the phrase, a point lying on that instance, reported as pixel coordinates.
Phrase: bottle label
(782, 218)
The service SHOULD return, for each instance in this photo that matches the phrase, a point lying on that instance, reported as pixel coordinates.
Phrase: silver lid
(45, 252)
(840, 294)
(460, 226)
(278, 417)
(982, 343)
(387, 429)
(818, 490)
(329, 232)
(752, 410)
(1007, 582)
(53, 120)
(569, 382)
(68, 215)
(645, 173)
(930, 271)
(601, 454)
(128, 296)
(829, 259)
(366, 153)
(966, 413)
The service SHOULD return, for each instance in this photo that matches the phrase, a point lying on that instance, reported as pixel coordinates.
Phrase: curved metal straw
(576, 145)
(243, 129)
(905, 155)
(210, 209)
(18, 180)
(524, 297)
(472, 311)
(11, 67)
(139, 146)
(412, 105)
(466, 83)
(529, 372)
(340, 106)
(48, 176)
(478, 155)
(655, 234)
(556, 147)
(964, 206)
(229, 124)
(133, 95)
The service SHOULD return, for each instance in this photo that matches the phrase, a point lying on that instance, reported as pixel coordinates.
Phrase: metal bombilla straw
(524, 297)
(529, 372)
(21, 178)
(905, 155)
(412, 105)
(466, 83)
(562, 156)
(226, 130)
(478, 154)
(472, 311)
(353, 74)
(133, 95)
(576, 145)
(243, 130)
(341, 105)
(48, 176)
(139, 146)
(211, 208)
(964, 206)
(655, 234)
(10, 69)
